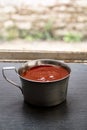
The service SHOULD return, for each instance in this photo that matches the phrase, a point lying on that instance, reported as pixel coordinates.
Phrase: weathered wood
(26, 55)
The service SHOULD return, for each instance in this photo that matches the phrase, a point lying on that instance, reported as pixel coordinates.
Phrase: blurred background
(60, 20)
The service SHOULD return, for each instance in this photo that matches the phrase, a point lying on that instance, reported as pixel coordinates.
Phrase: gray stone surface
(22, 50)
(65, 16)
(23, 45)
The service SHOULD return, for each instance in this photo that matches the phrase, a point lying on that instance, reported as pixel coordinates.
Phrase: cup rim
(64, 65)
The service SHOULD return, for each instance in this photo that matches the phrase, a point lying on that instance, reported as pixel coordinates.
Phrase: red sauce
(45, 73)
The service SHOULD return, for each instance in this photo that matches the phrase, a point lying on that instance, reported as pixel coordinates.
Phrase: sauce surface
(45, 73)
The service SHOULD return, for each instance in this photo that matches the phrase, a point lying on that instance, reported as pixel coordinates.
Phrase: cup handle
(10, 81)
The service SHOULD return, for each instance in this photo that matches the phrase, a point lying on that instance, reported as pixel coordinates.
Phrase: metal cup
(41, 93)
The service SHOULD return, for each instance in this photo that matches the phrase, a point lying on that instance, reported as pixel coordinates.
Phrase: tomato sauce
(45, 73)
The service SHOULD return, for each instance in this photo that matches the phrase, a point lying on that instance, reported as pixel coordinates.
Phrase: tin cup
(41, 93)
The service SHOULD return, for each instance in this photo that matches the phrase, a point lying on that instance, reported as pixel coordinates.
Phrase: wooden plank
(26, 55)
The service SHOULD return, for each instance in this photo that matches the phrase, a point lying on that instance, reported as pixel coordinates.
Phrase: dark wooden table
(70, 115)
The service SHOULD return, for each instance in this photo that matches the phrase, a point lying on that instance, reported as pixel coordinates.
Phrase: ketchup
(45, 73)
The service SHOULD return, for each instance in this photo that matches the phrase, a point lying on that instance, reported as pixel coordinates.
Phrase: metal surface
(43, 93)
(9, 80)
